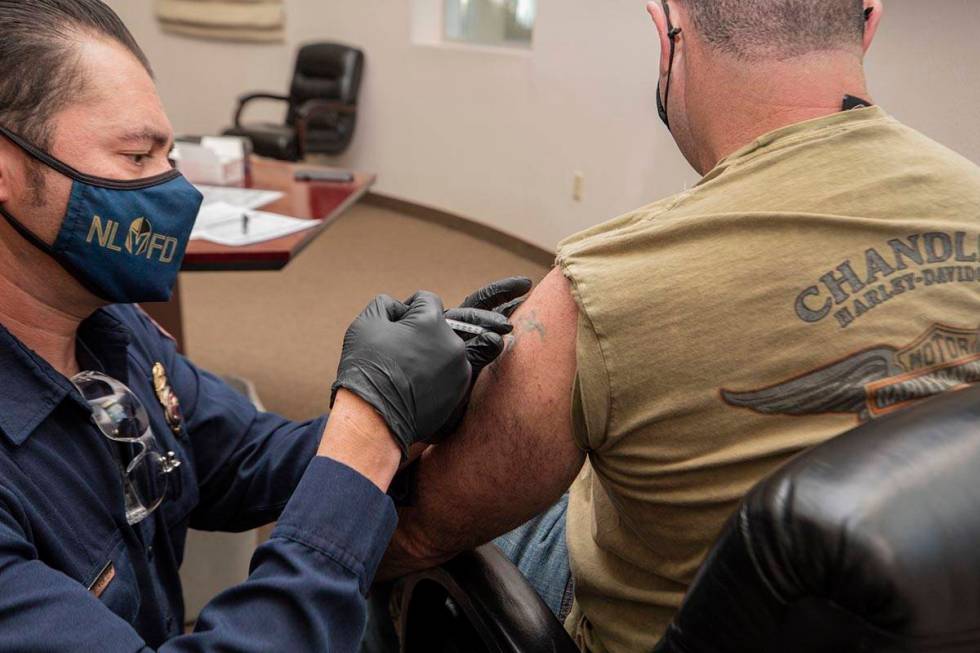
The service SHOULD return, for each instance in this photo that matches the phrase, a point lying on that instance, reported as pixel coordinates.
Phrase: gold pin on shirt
(167, 398)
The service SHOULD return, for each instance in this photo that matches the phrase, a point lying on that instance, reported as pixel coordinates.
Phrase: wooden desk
(320, 201)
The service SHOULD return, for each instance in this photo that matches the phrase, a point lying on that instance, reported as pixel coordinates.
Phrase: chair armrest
(503, 609)
(249, 97)
(312, 108)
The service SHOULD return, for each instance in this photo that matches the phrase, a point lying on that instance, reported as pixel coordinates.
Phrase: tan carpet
(283, 330)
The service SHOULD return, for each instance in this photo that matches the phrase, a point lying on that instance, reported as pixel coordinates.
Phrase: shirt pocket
(182, 493)
(114, 582)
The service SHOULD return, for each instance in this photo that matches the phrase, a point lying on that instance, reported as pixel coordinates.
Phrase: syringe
(465, 329)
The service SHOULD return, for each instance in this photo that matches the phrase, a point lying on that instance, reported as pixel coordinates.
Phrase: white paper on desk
(222, 223)
(214, 213)
(245, 198)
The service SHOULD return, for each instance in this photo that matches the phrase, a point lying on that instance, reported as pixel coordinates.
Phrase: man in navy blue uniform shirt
(112, 444)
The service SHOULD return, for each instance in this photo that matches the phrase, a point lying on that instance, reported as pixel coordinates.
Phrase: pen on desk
(244, 224)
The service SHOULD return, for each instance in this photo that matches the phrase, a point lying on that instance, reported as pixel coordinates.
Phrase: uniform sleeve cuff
(341, 514)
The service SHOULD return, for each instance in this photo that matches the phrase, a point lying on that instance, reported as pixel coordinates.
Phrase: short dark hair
(777, 29)
(39, 73)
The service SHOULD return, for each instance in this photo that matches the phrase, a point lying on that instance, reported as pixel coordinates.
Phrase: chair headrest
(328, 60)
(866, 543)
(329, 71)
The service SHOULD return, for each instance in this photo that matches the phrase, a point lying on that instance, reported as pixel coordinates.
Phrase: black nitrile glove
(406, 362)
(483, 349)
(503, 296)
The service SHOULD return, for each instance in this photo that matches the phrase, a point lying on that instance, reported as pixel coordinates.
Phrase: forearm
(440, 524)
(468, 495)
(307, 584)
(356, 436)
(309, 580)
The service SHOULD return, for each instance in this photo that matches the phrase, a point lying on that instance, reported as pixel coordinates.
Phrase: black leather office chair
(322, 106)
(868, 543)
(477, 603)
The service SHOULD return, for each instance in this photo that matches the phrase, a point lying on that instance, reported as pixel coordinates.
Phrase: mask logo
(140, 239)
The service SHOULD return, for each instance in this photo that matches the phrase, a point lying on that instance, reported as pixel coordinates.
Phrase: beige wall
(498, 136)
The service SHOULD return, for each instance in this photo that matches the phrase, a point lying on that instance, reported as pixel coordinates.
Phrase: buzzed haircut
(39, 70)
(777, 29)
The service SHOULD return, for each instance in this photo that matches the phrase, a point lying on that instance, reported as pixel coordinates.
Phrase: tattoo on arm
(526, 324)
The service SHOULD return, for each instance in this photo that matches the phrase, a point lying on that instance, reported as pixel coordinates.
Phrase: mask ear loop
(22, 229)
(26, 233)
(672, 33)
(34, 240)
(41, 156)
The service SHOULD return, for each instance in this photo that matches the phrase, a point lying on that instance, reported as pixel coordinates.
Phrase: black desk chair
(868, 543)
(322, 106)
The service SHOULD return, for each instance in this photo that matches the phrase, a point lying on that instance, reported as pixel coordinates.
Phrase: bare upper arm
(514, 455)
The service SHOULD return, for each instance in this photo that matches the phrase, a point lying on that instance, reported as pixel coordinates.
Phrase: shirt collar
(31, 389)
(794, 133)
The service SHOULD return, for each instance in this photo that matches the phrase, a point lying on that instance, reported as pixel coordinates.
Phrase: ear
(656, 11)
(876, 9)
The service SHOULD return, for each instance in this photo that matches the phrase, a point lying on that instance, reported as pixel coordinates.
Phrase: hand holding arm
(405, 361)
(513, 455)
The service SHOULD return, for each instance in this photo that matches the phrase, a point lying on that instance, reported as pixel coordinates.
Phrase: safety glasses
(121, 417)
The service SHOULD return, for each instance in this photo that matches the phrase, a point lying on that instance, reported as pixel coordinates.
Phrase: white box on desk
(216, 161)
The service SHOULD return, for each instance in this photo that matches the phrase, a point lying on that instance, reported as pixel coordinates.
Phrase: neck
(752, 100)
(38, 304)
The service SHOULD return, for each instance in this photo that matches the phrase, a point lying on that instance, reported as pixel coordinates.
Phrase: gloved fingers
(497, 293)
(482, 318)
(508, 309)
(387, 305)
(483, 350)
(425, 306)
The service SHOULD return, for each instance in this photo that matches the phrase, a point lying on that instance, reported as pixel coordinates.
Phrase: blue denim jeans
(538, 549)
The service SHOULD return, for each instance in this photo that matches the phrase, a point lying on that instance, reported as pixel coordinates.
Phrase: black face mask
(672, 33)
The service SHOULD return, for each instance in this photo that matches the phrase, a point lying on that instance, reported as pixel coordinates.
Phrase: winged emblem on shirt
(874, 381)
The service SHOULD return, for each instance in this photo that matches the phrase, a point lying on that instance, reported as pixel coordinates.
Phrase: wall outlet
(578, 186)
